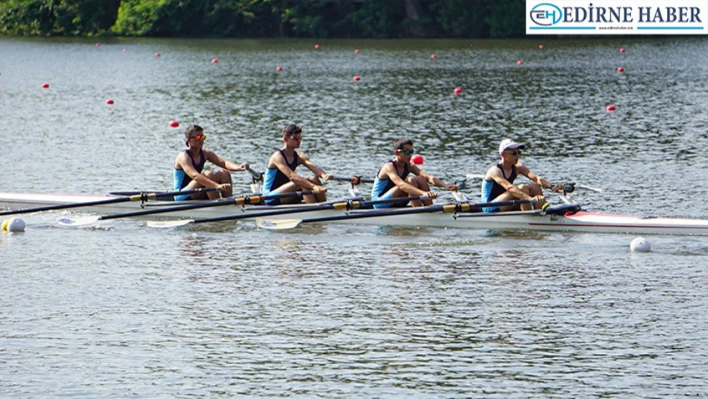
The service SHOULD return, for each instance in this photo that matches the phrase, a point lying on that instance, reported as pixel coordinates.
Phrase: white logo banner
(617, 17)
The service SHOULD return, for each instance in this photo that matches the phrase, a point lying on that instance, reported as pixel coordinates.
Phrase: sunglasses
(199, 137)
(294, 137)
(405, 152)
(514, 153)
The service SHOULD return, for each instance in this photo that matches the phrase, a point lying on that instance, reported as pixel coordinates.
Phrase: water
(223, 310)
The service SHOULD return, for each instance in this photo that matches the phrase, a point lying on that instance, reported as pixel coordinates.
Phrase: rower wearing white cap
(498, 183)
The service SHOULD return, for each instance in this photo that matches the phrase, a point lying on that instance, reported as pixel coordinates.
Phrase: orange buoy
(622, 50)
(433, 57)
(519, 62)
(620, 69)
(357, 78)
(109, 101)
(417, 159)
(279, 69)
(214, 61)
(174, 124)
(45, 85)
(610, 108)
(457, 91)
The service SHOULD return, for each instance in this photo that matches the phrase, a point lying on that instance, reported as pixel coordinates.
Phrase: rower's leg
(290, 187)
(221, 177)
(317, 197)
(421, 183)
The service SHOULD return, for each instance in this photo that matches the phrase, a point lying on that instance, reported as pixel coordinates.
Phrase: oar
(137, 197)
(339, 205)
(284, 224)
(353, 180)
(240, 200)
(257, 176)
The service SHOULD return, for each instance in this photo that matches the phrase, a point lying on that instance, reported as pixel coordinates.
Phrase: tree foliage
(265, 18)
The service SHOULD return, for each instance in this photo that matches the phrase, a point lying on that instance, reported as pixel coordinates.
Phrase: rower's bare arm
(402, 185)
(319, 172)
(222, 163)
(279, 162)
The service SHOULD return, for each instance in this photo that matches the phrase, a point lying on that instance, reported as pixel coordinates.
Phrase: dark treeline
(264, 18)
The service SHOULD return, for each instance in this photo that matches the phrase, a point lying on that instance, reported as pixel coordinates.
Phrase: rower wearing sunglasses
(280, 176)
(498, 184)
(189, 173)
(393, 180)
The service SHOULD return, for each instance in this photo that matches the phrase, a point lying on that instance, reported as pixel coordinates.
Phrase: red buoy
(45, 85)
(98, 44)
(622, 50)
(214, 61)
(417, 159)
(357, 78)
(174, 124)
(457, 91)
(610, 108)
(620, 69)
(356, 51)
(157, 54)
(433, 57)
(279, 69)
(540, 46)
(109, 101)
(317, 46)
(519, 62)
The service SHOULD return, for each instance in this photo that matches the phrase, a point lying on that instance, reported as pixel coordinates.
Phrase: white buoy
(640, 244)
(13, 225)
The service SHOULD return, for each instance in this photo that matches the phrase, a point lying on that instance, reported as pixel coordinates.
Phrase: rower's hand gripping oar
(285, 224)
(338, 205)
(239, 201)
(142, 197)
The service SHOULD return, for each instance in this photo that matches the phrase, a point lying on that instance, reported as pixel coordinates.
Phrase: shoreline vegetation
(265, 18)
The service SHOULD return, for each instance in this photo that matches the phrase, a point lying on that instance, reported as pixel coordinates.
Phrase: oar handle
(257, 176)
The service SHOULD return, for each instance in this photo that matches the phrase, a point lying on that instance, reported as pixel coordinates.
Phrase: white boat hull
(577, 222)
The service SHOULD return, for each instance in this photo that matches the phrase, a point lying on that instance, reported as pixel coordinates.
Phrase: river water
(336, 311)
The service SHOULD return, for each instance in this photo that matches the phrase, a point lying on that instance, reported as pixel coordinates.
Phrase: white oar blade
(458, 196)
(80, 221)
(168, 224)
(597, 190)
(281, 224)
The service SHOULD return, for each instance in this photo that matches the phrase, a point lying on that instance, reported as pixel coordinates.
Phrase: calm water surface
(120, 310)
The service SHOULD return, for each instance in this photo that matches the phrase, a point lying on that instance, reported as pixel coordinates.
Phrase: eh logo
(546, 14)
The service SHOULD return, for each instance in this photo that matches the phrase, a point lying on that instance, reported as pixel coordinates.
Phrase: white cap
(509, 144)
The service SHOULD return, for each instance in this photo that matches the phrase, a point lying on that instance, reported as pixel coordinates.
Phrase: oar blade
(80, 221)
(279, 224)
(168, 224)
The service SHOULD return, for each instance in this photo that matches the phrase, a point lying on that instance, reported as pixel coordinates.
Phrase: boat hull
(589, 222)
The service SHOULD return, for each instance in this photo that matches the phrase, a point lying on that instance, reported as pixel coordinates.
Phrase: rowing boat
(568, 217)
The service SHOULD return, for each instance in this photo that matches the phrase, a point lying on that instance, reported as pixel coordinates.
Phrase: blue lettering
(644, 14)
(568, 14)
(671, 14)
(657, 16)
(577, 14)
(627, 15)
(694, 14)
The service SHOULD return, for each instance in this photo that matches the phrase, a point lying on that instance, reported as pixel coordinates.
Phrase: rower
(280, 176)
(393, 179)
(498, 184)
(189, 173)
